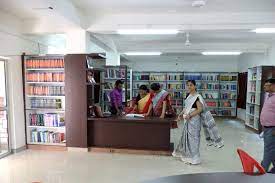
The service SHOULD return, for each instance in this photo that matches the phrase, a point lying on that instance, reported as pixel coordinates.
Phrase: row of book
(158, 77)
(251, 110)
(46, 90)
(141, 77)
(210, 77)
(211, 104)
(115, 73)
(228, 78)
(44, 63)
(177, 102)
(210, 86)
(48, 120)
(176, 86)
(46, 77)
(232, 87)
(137, 85)
(45, 136)
(193, 77)
(175, 77)
(232, 96)
(210, 95)
(46, 103)
(177, 95)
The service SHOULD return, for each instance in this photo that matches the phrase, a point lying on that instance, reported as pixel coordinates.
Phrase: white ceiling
(173, 6)
(221, 24)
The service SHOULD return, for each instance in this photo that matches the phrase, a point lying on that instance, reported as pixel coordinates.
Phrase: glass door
(4, 131)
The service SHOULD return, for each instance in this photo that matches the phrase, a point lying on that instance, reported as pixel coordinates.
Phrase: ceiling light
(199, 3)
(147, 31)
(264, 30)
(221, 53)
(142, 53)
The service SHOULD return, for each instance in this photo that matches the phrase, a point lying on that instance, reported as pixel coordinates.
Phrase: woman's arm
(197, 111)
(164, 105)
(149, 110)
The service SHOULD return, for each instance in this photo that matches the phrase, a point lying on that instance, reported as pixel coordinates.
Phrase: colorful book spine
(45, 136)
(46, 77)
(44, 63)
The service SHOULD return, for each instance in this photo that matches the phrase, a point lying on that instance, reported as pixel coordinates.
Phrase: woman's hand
(187, 117)
(179, 118)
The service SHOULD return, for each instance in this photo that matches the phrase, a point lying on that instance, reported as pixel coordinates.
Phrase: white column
(16, 104)
(77, 41)
(112, 58)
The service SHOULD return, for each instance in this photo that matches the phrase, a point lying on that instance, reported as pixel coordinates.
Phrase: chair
(249, 163)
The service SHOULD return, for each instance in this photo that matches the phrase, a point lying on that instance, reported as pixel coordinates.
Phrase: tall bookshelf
(256, 95)
(218, 89)
(111, 75)
(44, 94)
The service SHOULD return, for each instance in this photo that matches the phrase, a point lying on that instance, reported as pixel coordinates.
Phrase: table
(226, 177)
(130, 133)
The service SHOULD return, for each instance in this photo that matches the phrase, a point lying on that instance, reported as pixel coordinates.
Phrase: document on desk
(135, 116)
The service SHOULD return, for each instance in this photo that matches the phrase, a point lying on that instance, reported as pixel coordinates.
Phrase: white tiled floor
(76, 167)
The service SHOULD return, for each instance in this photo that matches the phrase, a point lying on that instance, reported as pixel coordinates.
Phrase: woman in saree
(143, 100)
(189, 144)
(161, 103)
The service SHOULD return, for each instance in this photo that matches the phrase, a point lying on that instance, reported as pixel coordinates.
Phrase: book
(135, 116)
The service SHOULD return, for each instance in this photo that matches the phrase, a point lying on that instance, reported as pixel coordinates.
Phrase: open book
(135, 115)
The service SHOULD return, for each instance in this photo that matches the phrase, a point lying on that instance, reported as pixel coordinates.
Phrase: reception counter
(151, 134)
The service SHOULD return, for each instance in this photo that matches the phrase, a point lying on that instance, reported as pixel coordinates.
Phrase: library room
(137, 91)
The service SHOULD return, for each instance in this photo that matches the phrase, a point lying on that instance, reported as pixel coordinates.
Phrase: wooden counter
(130, 133)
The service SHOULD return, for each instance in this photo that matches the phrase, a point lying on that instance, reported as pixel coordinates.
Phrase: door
(4, 130)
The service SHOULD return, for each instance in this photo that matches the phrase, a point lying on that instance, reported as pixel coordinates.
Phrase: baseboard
(77, 149)
(20, 149)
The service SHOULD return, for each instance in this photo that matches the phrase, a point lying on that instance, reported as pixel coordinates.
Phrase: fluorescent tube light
(264, 30)
(147, 31)
(221, 53)
(142, 53)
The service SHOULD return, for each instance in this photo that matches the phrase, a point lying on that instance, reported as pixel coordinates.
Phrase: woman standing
(189, 144)
(161, 103)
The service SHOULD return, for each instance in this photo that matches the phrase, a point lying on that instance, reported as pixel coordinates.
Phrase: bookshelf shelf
(47, 144)
(45, 96)
(45, 69)
(44, 90)
(48, 127)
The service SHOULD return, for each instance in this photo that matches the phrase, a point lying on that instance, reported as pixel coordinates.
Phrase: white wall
(12, 45)
(249, 60)
(196, 63)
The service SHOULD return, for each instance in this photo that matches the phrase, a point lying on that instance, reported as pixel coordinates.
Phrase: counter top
(132, 119)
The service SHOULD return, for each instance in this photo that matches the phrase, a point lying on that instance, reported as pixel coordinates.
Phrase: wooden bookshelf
(44, 99)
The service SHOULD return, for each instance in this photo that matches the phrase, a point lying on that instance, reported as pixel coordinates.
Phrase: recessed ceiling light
(221, 53)
(147, 31)
(198, 3)
(264, 30)
(142, 53)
